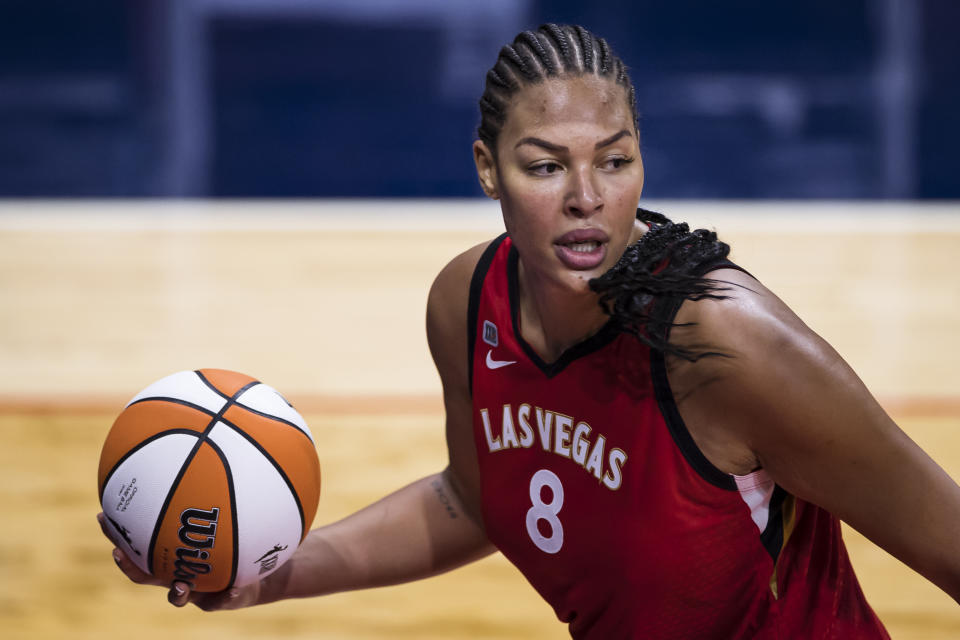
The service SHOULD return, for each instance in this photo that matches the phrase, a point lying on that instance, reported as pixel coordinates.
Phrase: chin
(579, 281)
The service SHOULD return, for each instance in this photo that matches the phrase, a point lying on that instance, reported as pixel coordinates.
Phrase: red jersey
(593, 487)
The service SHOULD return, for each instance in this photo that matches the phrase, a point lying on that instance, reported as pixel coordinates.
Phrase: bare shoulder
(771, 369)
(784, 400)
(447, 313)
(778, 389)
(451, 286)
(747, 323)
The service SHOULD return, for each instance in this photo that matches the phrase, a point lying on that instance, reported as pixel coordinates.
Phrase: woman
(650, 435)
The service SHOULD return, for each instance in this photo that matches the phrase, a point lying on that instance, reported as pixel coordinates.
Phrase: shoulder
(774, 369)
(447, 306)
(450, 292)
(785, 401)
(747, 321)
(457, 273)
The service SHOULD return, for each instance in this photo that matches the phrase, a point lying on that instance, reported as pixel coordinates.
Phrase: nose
(583, 197)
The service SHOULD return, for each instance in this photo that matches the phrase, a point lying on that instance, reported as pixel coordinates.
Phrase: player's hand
(179, 593)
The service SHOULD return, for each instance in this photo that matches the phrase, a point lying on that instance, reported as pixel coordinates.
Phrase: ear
(486, 169)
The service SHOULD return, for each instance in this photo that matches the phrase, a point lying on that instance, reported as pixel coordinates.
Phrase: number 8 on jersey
(545, 511)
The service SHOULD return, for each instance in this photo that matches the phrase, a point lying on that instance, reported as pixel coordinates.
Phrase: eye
(545, 168)
(616, 162)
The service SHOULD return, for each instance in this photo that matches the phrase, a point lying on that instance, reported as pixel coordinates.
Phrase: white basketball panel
(135, 493)
(185, 385)
(266, 399)
(269, 525)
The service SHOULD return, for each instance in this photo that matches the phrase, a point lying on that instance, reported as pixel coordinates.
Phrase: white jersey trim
(756, 489)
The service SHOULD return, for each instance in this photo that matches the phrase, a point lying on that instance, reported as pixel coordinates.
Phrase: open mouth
(582, 248)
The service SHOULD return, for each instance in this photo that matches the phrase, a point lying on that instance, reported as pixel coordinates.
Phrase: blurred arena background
(270, 186)
(377, 98)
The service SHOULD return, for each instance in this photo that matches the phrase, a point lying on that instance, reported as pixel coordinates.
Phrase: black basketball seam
(136, 448)
(220, 393)
(276, 465)
(184, 403)
(251, 409)
(233, 511)
(277, 419)
(186, 463)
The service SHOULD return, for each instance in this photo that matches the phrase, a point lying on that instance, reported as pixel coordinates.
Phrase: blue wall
(377, 98)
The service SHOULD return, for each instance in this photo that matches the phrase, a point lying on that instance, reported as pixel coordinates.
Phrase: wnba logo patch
(490, 334)
(268, 561)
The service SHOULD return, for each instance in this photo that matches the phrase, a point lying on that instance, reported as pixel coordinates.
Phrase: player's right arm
(428, 527)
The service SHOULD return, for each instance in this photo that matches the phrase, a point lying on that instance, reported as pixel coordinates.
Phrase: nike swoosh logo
(496, 364)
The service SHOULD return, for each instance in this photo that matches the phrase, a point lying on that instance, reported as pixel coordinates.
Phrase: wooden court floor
(325, 302)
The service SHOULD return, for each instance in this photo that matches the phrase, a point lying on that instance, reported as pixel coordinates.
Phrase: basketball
(209, 477)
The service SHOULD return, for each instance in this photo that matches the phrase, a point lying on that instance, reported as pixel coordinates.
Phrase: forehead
(573, 101)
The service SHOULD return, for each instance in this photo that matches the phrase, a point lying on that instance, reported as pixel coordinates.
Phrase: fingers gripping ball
(209, 477)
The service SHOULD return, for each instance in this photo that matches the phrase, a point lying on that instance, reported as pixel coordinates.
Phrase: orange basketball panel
(292, 450)
(141, 421)
(196, 540)
(227, 382)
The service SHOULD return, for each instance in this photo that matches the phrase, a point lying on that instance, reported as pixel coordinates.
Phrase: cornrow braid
(562, 43)
(605, 55)
(504, 84)
(533, 43)
(533, 56)
(510, 54)
(586, 46)
(664, 264)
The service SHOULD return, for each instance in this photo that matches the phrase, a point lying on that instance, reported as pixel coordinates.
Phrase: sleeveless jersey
(593, 487)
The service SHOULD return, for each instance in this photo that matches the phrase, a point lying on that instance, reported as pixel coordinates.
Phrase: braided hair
(663, 266)
(533, 56)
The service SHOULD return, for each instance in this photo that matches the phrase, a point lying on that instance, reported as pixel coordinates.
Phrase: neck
(553, 319)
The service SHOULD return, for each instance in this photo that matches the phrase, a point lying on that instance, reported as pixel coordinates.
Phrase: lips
(582, 249)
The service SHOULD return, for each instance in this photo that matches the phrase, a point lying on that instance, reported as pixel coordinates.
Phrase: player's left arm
(793, 402)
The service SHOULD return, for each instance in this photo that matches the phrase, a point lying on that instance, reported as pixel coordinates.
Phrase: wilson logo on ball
(198, 530)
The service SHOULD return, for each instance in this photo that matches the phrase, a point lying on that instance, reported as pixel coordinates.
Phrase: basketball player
(658, 443)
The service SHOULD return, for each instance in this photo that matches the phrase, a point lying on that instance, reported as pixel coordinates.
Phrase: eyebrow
(549, 146)
(612, 139)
